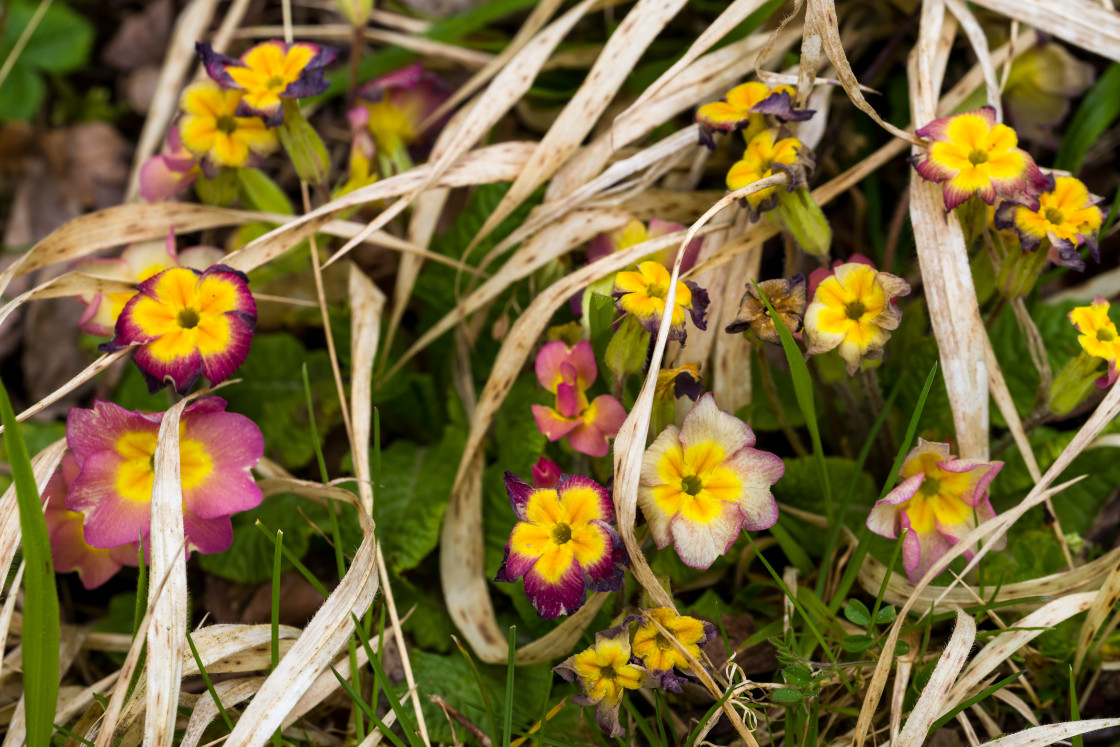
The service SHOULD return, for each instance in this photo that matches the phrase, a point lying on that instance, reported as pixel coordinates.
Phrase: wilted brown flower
(786, 296)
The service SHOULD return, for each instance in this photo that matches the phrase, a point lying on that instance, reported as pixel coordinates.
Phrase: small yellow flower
(657, 652)
(744, 108)
(852, 310)
(211, 129)
(1067, 217)
(643, 292)
(1098, 337)
(605, 673)
(765, 152)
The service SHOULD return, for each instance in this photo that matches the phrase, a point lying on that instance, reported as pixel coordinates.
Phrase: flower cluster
(662, 646)
(940, 499)
(568, 372)
(744, 108)
(563, 543)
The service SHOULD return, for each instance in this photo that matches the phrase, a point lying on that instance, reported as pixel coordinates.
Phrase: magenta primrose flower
(269, 72)
(165, 174)
(114, 450)
(188, 323)
(392, 108)
(568, 372)
(69, 549)
(546, 473)
(563, 545)
(940, 499)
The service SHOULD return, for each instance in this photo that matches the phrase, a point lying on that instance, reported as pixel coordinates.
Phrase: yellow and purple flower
(174, 169)
(1098, 337)
(658, 653)
(642, 294)
(137, 263)
(604, 673)
(393, 108)
(786, 296)
(69, 549)
(1067, 218)
(188, 323)
(940, 499)
(563, 543)
(744, 108)
(635, 232)
(269, 72)
(972, 154)
(702, 484)
(766, 151)
(215, 134)
(114, 450)
(853, 310)
(567, 372)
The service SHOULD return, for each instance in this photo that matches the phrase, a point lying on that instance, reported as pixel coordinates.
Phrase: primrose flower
(635, 232)
(1039, 88)
(703, 483)
(1067, 217)
(1098, 337)
(212, 131)
(393, 107)
(69, 549)
(786, 296)
(546, 473)
(563, 544)
(853, 310)
(658, 653)
(605, 673)
(174, 169)
(940, 499)
(137, 263)
(971, 154)
(642, 293)
(744, 108)
(115, 450)
(269, 72)
(188, 323)
(567, 372)
(765, 152)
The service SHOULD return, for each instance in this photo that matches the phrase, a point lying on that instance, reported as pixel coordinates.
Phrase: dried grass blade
(43, 466)
(7, 611)
(1041, 736)
(205, 710)
(1082, 23)
(979, 42)
(1105, 601)
(930, 705)
(366, 305)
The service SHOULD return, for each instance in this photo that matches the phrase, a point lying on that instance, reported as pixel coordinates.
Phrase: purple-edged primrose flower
(114, 450)
(703, 483)
(174, 169)
(568, 372)
(393, 108)
(604, 674)
(216, 134)
(658, 653)
(268, 73)
(1066, 220)
(69, 549)
(744, 108)
(188, 323)
(563, 543)
(137, 263)
(642, 294)
(940, 500)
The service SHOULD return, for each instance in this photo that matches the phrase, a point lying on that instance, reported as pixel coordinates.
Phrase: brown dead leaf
(141, 38)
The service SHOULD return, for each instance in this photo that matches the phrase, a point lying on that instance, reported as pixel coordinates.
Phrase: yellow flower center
(855, 310)
(226, 124)
(662, 642)
(136, 473)
(692, 484)
(930, 486)
(608, 673)
(1106, 335)
(561, 534)
(1055, 216)
(977, 157)
(187, 318)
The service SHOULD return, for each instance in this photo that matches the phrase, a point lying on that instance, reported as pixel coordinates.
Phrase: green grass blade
(402, 713)
(1074, 711)
(972, 701)
(40, 603)
(507, 727)
(481, 685)
(368, 711)
(209, 684)
(277, 555)
(1098, 110)
(886, 579)
(141, 587)
(291, 558)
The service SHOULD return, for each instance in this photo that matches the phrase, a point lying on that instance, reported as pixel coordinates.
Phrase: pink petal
(551, 424)
(562, 598)
(110, 519)
(698, 545)
(98, 429)
(609, 415)
(515, 565)
(549, 360)
(519, 493)
(207, 535)
(705, 422)
(546, 473)
(587, 439)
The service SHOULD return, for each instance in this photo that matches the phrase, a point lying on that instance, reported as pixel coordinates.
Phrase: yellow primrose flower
(852, 309)
(211, 129)
(1098, 337)
(765, 152)
(744, 108)
(658, 653)
(1067, 217)
(604, 672)
(642, 293)
(971, 154)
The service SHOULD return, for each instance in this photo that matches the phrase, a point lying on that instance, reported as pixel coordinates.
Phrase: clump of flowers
(641, 294)
(188, 323)
(744, 108)
(940, 499)
(972, 154)
(792, 209)
(703, 483)
(69, 550)
(212, 130)
(391, 110)
(658, 653)
(568, 372)
(604, 674)
(270, 72)
(1067, 218)
(852, 310)
(137, 263)
(786, 296)
(114, 450)
(1099, 341)
(563, 543)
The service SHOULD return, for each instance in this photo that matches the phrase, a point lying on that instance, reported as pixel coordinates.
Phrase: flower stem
(775, 405)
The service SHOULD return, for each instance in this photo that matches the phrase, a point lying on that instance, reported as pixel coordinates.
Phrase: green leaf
(59, 44)
(798, 675)
(520, 442)
(857, 613)
(249, 559)
(901, 648)
(40, 603)
(786, 695)
(259, 192)
(1098, 110)
(800, 486)
(886, 615)
(854, 644)
(20, 94)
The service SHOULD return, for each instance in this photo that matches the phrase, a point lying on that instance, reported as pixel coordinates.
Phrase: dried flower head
(786, 296)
